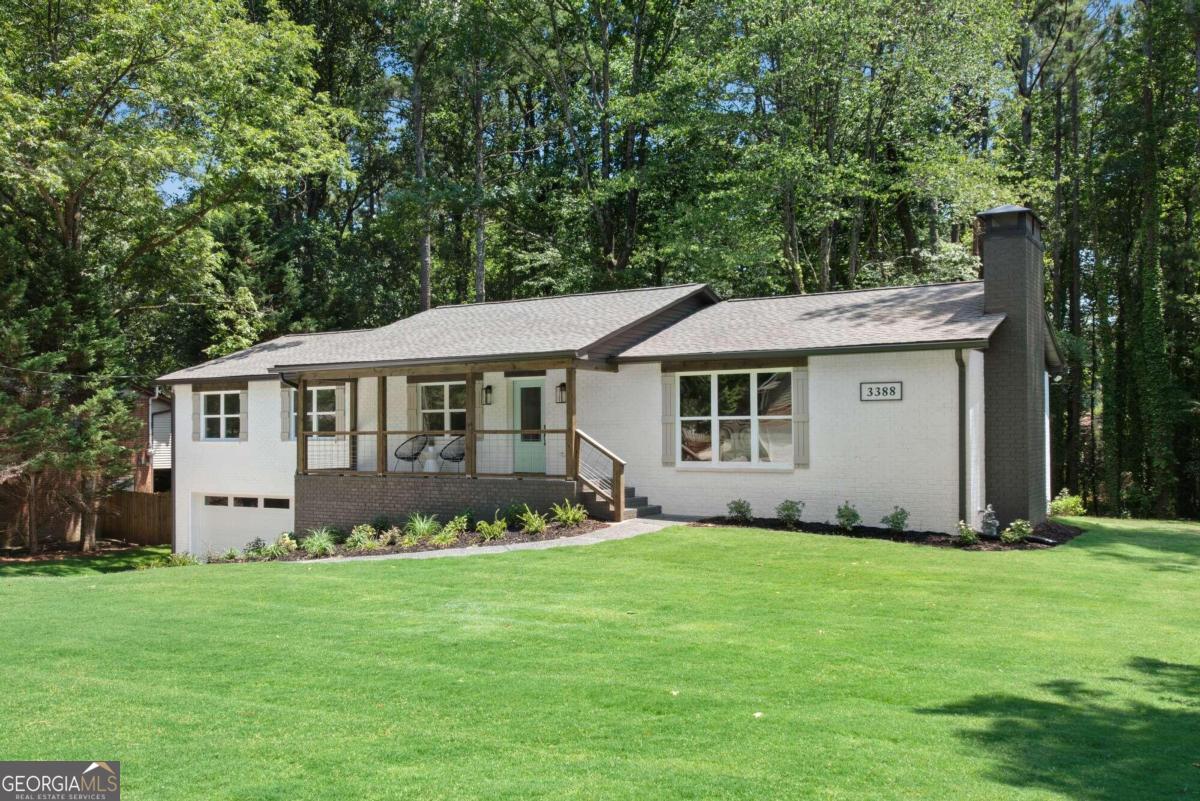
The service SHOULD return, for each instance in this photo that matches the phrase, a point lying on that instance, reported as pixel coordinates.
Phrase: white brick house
(879, 397)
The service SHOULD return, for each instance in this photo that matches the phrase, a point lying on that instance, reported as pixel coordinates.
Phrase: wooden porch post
(381, 454)
(352, 418)
(572, 451)
(301, 442)
(469, 466)
(618, 489)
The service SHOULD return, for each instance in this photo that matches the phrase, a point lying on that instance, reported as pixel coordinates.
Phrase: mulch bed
(57, 551)
(471, 539)
(1057, 532)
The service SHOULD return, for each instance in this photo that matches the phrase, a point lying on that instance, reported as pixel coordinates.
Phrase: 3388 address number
(881, 391)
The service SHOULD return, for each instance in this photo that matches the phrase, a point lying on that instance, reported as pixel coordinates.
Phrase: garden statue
(990, 523)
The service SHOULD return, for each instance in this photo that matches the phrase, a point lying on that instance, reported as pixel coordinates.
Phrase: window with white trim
(220, 415)
(735, 417)
(320, 410)
(443, 406)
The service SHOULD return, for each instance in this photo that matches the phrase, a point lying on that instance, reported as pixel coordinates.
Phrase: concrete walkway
(617, 531)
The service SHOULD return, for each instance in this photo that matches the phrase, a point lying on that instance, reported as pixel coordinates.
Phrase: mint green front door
(529, 450)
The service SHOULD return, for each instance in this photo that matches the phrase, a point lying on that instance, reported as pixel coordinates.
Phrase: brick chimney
(1016, 380)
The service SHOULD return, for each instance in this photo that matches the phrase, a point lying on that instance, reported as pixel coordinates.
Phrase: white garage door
(221, 522)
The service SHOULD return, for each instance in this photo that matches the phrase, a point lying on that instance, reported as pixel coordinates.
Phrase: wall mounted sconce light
(487, 395)
(560, 393)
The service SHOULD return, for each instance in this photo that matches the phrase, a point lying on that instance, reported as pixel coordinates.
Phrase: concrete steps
(635, 505)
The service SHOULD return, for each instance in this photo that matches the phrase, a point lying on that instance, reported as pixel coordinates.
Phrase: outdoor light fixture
(560, 393)
(487, 395)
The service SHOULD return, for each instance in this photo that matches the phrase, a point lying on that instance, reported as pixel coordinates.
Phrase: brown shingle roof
(934, 314)
(564, 324)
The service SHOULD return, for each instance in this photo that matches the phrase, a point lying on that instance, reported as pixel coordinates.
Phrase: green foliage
(512, 515)
(788, 512)
(459, 524)
(568, 514)
(170, 560)
(740, 512)
(230, 555)
(393, 535)
(363, 537)
(847, 516)
(319, 542)
(896, 520)
(532, 522)
(420, 527)
(1017, 531)
(966, 534)
(286, 542)
(1067, 505)
(495, 530)
(444, 538)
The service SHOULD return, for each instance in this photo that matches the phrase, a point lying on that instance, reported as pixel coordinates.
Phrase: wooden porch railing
(601, 470)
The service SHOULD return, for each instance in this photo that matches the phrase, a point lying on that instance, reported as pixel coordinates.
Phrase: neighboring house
(151, 446)
(932, 397)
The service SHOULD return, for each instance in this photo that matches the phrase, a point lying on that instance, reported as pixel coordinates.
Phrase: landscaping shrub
(380, 523)
(254, 546)
(459, 524)
(363, 537)
(271, 551)
(421, 527)
(170, 560)
(443, 538)
(568, 514)
(1016, 532)
(495, 530)
(739, 511)
(847, 516)
(392, 536)
(319, 542)
(788, 513)
(232, 555)
(286, 542)
(532, 522)
(512, 515)
(1067, 505)
(897, 519)
(966, 534)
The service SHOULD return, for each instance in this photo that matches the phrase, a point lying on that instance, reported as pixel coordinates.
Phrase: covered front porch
(512, 420)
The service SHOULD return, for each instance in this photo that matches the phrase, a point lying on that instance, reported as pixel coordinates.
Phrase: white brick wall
(874, 454)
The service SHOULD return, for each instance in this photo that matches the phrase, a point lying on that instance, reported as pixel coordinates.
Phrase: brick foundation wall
(345, 501)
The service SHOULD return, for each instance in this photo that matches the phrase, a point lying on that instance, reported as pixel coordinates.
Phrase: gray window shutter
(339, 405)
(413, 410)
(244, 415)
(196, 416)
(668, 419)
(800, 415)
(285, 413)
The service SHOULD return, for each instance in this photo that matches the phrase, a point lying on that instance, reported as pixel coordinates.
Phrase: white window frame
(446, 410)
(221, 415)
(715, 419)
(310, 411)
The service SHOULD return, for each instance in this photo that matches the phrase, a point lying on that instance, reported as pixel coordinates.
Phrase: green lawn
(109, 562)
(635, 669)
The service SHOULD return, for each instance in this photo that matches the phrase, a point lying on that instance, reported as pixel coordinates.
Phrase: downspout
(962, 433)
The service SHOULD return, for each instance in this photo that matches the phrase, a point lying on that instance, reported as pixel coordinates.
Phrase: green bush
(1067, 505)
(847, 516)
(391, 535)
(1017, 531)
(569, 514)
(495, 530)
(363, 537)
(421, 527)
(459, 524)
(443, 538)
(381, 523)
(232, 555)
(254, 546)
(170, 560)
(739, 511)
(966, 534)
(897, 519)
(319, 542)
(272, 551)
(286, 542)
(789, 512)
(532, 522)
(512, 516)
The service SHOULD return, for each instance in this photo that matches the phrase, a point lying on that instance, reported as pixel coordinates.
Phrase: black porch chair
(410, 450)
(455, 451)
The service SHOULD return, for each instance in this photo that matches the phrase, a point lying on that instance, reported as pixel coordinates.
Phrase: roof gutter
(386, 363)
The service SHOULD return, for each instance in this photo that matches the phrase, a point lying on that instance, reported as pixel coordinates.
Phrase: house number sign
(881, 390)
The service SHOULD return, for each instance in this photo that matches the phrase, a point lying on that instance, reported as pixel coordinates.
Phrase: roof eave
(383, 364)
(948, 344)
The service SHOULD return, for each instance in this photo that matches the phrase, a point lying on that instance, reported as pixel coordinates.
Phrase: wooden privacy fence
(141, 517)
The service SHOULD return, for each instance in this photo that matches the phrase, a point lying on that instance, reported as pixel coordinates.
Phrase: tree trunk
(418, 124)
(31, 521)
(480, 220)
(91, 512)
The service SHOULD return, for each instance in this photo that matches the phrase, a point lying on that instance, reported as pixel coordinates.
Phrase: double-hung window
(735, 418)
(443, 406)
(320, 410)
(220, 414)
